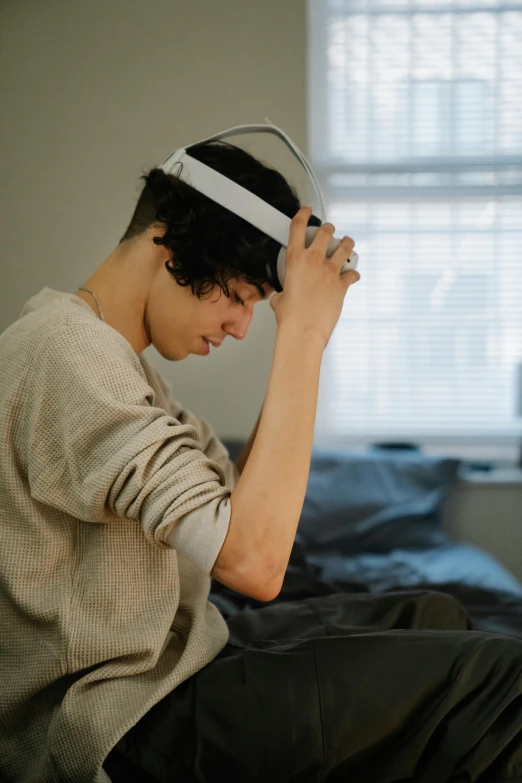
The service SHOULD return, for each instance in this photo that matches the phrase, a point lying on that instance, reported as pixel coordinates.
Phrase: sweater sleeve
(211, 445)
(98, 449)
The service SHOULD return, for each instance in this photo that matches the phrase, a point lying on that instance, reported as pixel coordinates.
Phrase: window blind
(415, 119)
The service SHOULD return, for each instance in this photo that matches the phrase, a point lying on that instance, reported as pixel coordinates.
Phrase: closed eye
(239, 300)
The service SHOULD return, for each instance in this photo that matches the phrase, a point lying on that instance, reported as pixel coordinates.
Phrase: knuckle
(328, 228)
(301, 216)
(316, 255)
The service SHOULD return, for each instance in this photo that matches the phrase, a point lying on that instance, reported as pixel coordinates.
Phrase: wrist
(307, 335)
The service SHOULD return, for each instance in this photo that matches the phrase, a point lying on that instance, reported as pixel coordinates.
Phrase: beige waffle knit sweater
(114, 504)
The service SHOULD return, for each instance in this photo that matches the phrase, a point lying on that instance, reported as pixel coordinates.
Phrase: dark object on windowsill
(479, 467)
(396, 446)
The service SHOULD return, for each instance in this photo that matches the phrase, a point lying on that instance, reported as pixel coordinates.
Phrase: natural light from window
(416, 136)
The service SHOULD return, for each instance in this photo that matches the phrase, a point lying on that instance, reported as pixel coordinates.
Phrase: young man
(117, 506)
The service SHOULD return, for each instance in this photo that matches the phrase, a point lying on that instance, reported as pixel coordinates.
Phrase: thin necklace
(96, 300)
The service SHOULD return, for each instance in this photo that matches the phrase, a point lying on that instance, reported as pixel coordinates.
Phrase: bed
(370, 557)
(372, 523)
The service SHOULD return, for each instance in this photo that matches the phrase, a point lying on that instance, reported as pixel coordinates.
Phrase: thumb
(274, 299)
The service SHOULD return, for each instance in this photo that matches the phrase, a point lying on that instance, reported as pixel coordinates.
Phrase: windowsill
(499, 476)
(505, 452)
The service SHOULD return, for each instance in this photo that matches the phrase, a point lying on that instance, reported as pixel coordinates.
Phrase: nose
(237, 326)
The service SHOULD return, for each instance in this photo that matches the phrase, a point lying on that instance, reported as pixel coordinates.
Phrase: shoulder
(84, 356)
(61, 323)
(83, 328)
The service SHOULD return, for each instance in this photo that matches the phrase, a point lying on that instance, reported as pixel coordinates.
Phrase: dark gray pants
(359, 688)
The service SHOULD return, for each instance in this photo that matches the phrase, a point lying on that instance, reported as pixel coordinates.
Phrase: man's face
(180, 324)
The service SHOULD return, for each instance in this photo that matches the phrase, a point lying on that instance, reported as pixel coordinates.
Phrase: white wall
(486, 510)
(93, 95)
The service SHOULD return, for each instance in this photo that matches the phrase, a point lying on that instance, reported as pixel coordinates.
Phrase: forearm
(268, 499)
(242, 459)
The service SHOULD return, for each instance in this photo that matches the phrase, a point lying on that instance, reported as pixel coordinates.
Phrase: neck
(122, 283)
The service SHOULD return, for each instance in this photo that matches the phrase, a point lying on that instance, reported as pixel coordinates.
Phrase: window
(415, 119)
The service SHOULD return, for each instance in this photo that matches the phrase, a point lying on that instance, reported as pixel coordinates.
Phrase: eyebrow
(261, 290)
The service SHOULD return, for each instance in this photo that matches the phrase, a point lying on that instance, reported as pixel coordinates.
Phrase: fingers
(298, 225)
(343, 252)
(322, 239)
(297, 239)
(350, 277)
(320, 242)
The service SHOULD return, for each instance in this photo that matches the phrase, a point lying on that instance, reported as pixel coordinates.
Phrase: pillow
(375, 501)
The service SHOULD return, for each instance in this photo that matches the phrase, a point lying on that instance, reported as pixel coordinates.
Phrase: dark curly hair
(210, 244)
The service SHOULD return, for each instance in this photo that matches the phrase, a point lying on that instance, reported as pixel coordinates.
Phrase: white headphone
(245, 204)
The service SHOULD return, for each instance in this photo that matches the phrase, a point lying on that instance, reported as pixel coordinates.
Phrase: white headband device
(247, 205)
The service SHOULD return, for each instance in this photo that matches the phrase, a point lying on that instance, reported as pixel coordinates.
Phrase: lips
(216, 345)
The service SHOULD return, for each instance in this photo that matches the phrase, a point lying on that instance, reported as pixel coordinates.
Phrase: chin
(171, 353)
